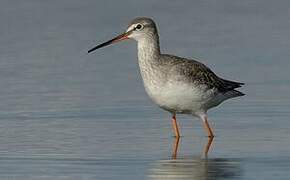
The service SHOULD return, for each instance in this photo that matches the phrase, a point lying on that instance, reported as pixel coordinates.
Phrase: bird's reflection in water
(194, 168)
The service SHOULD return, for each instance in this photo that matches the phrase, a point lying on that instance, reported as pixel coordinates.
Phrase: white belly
(181, 97)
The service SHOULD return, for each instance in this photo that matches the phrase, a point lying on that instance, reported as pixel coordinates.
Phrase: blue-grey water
(66, 114)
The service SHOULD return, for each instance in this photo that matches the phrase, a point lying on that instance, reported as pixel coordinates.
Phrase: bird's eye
(139, 26)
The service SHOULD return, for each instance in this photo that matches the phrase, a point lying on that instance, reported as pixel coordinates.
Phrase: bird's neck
(149, 62)
(148, 50)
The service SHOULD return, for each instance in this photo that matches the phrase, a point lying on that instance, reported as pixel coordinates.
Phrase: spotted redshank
(176, 84)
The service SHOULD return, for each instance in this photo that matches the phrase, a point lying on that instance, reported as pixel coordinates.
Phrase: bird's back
(192, 71)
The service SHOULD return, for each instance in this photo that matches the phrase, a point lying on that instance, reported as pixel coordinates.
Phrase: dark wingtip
(232, 84)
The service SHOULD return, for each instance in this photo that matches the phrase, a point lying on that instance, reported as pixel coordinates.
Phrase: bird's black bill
(114, 40)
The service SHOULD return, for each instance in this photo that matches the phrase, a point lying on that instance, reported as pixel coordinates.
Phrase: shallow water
(65, 114)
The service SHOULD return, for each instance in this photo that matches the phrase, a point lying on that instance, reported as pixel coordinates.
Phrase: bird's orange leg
(175, 148)
(175, 126)
(207, 127)
(208, 145)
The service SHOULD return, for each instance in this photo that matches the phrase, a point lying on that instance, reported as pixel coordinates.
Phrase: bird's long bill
(114, 40)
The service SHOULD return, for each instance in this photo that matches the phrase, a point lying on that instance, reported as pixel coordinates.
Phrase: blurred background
(66, 114)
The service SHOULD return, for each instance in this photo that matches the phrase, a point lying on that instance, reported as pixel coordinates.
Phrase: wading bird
(176, 84)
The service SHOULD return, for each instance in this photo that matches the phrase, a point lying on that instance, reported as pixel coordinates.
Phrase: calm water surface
(65, 114)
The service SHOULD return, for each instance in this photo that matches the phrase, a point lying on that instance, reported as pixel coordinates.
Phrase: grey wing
(197, 72)
(206, 76)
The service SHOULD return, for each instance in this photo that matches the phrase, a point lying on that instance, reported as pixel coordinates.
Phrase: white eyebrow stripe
(131, 27)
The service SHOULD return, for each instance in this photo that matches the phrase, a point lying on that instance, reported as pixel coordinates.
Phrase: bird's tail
(233, 94)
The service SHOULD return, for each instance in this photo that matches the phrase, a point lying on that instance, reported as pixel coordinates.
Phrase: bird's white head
(139, 29)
